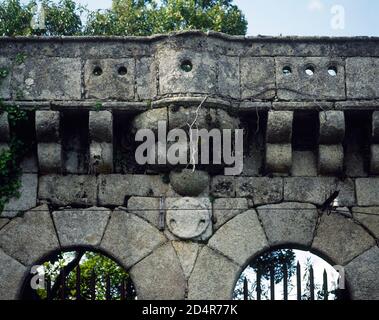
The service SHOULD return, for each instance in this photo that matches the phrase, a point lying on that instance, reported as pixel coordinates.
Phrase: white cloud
(316, 5)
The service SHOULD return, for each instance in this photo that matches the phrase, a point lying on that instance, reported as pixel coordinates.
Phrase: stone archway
(133, 242)
(336, 237)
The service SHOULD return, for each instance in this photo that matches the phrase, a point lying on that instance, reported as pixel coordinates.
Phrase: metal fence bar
(259, 289)
(63, 286)
(245, 290)
(312, 283)
(48, 288)
(93, 285)
(123, 296)
(298, 280)
(108, 288)
(272, 283)
(78, 282)
(285, 282)
(325, 285)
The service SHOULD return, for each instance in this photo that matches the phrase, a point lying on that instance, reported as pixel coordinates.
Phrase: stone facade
(187, 234)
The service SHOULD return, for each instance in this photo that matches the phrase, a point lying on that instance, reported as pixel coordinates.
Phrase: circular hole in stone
(287, 71)
(186, 66)
(332, 70)
(97, 71)
(310, 71)
(122, 71)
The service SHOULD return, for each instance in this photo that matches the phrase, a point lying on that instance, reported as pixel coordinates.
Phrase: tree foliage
(126, 17)
(66, 263)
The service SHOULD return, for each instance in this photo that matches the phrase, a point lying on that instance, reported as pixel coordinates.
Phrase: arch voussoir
(30, 237)
(129, 238)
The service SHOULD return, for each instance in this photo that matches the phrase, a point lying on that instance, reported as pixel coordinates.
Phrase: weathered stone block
(210, 267)
(146, 78)
(362, 78)
(48, 78)
(101, 126)
(81, 227)
(101, 157)
(304, 164)
(279, 127)
(11, 277)
(316, 190)
(289, 222)
(330, 159)
(50, 157)
(374, 159)
(240, 238)
(332, 127)
(189, 182)
(317, 85)
(3, 222)
(369, 217)
(262, 190)
(31, 237)
(367, 191)
(186, 71)
(68, 190)
(340, 239)
(27, 199)
(228, 76)
(362, 274)
(354, 162)
(257, 78)
(5, 85)
(110, 79)
(187, 254)
(114, 188)
(146, 208)
(149, 119)
(225, 209)
(30, 163)
(130, 238)
(206, 118)
(4, 127)
(223, 186)
(47, 126)
(160, 276)
(278, 158)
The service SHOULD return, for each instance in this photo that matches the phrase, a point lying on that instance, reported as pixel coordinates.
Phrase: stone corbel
(332, 134)
(278, 141)
(101, 145)
(49, 147)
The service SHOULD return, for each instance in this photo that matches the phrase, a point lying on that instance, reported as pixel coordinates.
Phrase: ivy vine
(10, 158)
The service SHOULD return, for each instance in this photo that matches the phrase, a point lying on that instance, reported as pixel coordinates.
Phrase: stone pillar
(101, 145)
(374, 156)
(332, 133)
(49, 148)
(4, 131)
(278, 141)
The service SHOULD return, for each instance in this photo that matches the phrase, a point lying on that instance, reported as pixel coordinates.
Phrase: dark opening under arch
(78, 273)
(290, 273)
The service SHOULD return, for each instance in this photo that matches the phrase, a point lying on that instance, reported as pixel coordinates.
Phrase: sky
(301, 17)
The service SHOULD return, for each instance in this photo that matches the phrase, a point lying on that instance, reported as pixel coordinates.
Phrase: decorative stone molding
(332, 133)
(49, 149)
(101, 145)
(189, 218)
(278, 138)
